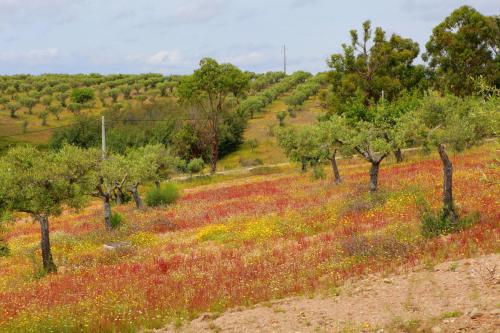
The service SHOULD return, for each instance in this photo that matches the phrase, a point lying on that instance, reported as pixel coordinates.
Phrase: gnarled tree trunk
(336, 173)
(303, 166)
(399, 155)
(48, 262)
(448, 205)
(107, 210)
(136, 196)
(374, 175)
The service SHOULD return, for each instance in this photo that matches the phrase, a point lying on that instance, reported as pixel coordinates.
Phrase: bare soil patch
(455, 296)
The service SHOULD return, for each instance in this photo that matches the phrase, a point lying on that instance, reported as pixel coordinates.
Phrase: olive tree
(150, 163)
(334, 134)
(108, 178)
(301, 145)
(28, 103)
(39, 184)
(13, 107)
(451, 122)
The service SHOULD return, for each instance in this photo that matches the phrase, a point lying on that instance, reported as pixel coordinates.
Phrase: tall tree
(465, 45)
(207, 90)
(373, 65)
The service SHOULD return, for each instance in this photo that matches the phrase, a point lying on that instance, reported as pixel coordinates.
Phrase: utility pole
(284, 59)
(103, 138)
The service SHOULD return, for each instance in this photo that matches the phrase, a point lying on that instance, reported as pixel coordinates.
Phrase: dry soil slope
(460, 296)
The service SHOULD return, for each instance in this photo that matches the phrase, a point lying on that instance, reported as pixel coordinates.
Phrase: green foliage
(40, 184)
(4, 248)
(457, 122)
(82, 95)
(301, 145)
(258, 102)
(464, 46)
(318, 172)
(305, 90)
(367, 71)
(208, 90)
(122, 134)
(440, 224)
(281, 118)
(116, 220)
(28, 103)
(195, 165)
(167, 193)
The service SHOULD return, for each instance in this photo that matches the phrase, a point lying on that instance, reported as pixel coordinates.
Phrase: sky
(171, 36)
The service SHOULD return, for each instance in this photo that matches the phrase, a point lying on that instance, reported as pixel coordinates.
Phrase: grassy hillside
(240, 242)
(260, 131)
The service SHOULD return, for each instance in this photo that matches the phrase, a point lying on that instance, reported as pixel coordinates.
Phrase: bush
(4, 249)
(166, 194)
(195, 165)
(438, 224)
(318, 172)
(116, 220)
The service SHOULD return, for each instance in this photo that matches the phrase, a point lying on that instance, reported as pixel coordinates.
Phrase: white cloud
(35, 56)
(166, 58)
(27, 12)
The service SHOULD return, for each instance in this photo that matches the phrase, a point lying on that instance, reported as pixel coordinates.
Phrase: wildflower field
(240, 242)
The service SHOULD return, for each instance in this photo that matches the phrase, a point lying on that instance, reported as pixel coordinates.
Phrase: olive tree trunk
(374, 175)
(448, 205)
(303, 166)
(48, 262)
(107, 210)
(336, 173)
(399, 155)
(136, 196)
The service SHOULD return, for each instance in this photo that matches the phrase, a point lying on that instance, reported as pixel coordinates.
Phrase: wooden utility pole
(103, 138)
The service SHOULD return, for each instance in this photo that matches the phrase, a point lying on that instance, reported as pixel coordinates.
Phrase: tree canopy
(464, 46)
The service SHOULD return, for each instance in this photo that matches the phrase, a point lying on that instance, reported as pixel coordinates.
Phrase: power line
(95, 119)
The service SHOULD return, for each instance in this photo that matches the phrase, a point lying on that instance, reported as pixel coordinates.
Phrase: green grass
(258, 129)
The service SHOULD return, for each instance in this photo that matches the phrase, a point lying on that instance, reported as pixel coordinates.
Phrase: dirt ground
(457, 296)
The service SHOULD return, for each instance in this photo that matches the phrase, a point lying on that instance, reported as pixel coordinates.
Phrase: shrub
(195, 165)
(116, 220)
(4, 249)
(439, 224)
(166, 194)
(253, 143)
(318, 172)
(281, 118)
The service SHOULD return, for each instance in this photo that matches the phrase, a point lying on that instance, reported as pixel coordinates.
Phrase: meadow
(240, 241)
